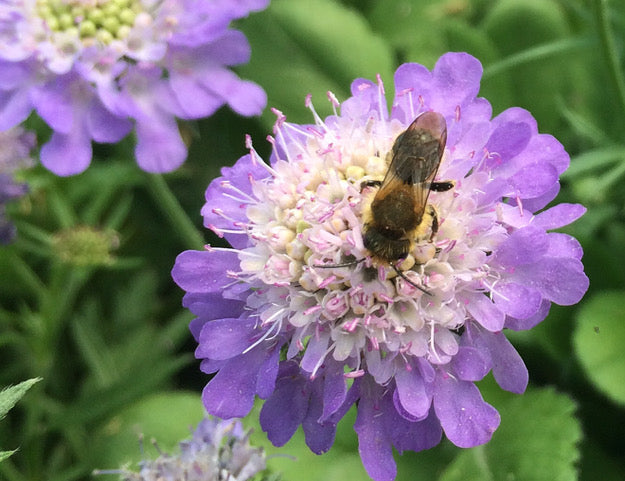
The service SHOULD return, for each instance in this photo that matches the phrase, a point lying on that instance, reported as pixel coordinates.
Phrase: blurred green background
(87, 302)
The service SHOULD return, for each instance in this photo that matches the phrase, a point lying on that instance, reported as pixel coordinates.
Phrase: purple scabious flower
(94, 69)
(300, 313)
(218, 450)
(15, 149)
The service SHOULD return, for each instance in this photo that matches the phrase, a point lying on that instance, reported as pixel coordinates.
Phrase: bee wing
(417, 153)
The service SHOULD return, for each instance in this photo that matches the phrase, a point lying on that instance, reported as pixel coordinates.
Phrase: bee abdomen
(387, 249)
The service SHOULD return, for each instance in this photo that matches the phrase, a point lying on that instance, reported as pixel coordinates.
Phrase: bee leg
(370, 183)
(442, 186)
(403, 276)
(434, 216)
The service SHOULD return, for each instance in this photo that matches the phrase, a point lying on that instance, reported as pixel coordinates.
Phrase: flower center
(90, 20)
(308, 231)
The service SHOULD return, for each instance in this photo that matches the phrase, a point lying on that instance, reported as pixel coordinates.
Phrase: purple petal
(563, 245)
(507, 140)
(364, 90)
(319, 435)
(16, 75)
(58, 102)
(381, 368)
(485, 311)
(226, 338)
(285, 409)
(67, 154)
(231, 392)
(456, 79)
(210, 366)
(351, 398)
(559, 216)
(534, 180)
(544, 149)
(532, 321)
(412, 393)
(492, 192)
(537, 203)
(232, 48)
(561, 280)
(209, 306)
(469, 364)
(517, 115)
(14, 108)
(374, 446)
(103, 126)
(204, 271)
(516, 300)
(508, 367)
(334, 389)
(244, 97)
(426, 369)
(411, 80)
(224, 207)
(315, 352)
(467, 420)
(195, 100)
(159, 146)
(266, 382)
(415, 436)
(524, 246)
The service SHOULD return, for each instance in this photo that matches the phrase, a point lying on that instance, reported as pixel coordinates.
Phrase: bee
(399, 215)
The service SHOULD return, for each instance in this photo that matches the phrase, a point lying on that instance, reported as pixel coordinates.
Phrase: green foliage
(598, 339)
(8, 398)
(88, 305)
(167, 417)
(303, 47)
(537, 441)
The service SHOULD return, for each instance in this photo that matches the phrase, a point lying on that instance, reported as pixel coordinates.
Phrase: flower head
(302, 313)
(218, 450)
(15, 148)
(94, 68)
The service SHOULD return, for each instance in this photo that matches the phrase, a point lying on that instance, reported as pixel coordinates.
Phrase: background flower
(298, 314)
(15, 148)
(93, 70)
(218, 450)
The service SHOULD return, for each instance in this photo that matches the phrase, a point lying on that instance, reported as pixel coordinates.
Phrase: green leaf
(10, 395)
(598, 342)
(8, 399)
(168, 418)
(301, 47)
(537, 441)
(520, 25)
(6, 454)
(412, 27)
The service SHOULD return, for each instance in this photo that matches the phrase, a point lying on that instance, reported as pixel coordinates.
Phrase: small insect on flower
(399, 216)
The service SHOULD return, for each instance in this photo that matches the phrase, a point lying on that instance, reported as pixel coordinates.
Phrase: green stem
(609, 49)
(176, 216)
(537, 53)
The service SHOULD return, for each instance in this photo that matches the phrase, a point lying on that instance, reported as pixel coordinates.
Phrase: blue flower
(94, 70)
(218, 450)
(302, 313)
